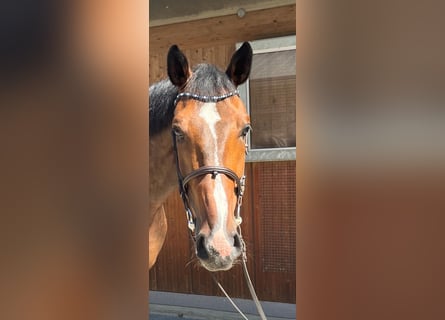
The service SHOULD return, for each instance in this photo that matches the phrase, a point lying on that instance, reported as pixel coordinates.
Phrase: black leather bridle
(204, 170)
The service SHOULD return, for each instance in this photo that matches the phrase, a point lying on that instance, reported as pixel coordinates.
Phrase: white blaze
(211, 116)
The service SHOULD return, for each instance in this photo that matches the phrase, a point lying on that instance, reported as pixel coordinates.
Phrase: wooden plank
(157, 66)
(226, 29)
(226, 10)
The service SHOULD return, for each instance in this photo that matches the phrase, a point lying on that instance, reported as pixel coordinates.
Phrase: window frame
(277, 44)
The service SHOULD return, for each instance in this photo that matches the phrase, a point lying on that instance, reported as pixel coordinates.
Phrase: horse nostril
(201, 250)
(236, 241)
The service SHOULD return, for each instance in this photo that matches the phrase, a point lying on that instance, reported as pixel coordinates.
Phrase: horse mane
(206, 80)
(161, 111)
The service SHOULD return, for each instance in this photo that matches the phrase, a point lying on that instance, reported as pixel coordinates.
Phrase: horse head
(209, 130)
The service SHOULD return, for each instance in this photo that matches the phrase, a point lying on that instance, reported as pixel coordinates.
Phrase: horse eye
(178, 132)
(245, 130)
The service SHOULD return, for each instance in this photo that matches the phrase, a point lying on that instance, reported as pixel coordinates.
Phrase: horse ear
(177, 66)
(239, 67)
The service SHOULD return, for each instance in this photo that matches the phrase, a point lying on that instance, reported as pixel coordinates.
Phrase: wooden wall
(269, 205)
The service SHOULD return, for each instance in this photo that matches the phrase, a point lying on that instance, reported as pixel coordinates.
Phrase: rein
(239, 191)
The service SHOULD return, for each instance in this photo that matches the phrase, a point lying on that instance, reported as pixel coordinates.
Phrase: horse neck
(163, 178)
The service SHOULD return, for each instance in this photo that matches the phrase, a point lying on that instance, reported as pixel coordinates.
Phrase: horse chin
(214, 266)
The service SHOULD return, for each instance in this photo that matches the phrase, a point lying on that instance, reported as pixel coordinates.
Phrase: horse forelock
(208, 80)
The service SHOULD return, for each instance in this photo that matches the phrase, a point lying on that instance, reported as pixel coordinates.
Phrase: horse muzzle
(218, 251)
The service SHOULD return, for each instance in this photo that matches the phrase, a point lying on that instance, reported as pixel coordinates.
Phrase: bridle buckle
(191, 226)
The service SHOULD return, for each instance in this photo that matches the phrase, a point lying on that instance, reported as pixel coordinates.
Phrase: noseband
(204, 170)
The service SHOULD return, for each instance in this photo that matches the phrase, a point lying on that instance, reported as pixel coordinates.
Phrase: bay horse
(198, 129)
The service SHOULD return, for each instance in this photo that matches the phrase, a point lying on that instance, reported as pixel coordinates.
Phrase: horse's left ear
(177, 66)
(239, 67)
